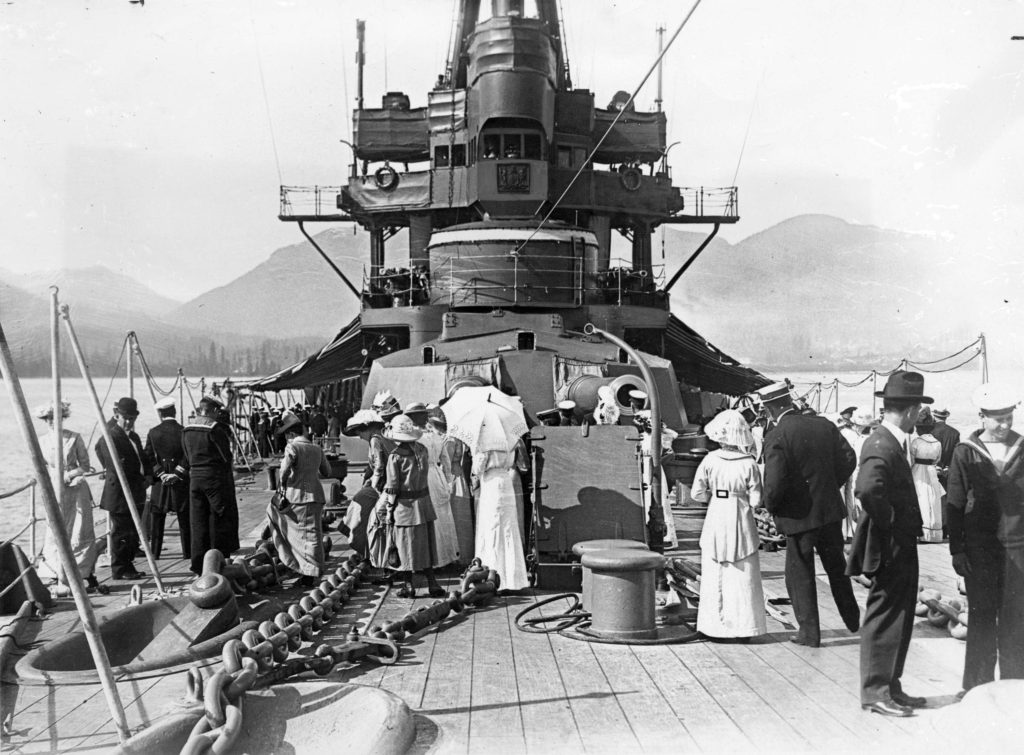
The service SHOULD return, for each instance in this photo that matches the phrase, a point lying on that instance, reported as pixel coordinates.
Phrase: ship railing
(310, 203)
(618, 283)
(29, 527)
(702, 201)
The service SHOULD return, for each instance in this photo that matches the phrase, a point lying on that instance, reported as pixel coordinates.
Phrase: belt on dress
(411, 495)
(925, 462)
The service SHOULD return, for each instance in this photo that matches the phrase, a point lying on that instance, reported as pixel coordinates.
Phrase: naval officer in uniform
(164, 453)
(213, 509)
(885, 547)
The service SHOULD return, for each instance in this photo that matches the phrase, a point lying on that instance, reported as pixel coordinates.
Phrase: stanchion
(58, 413)
(60, 536)
(114, 459)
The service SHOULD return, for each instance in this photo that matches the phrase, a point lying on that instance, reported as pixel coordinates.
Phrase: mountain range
(811, 292)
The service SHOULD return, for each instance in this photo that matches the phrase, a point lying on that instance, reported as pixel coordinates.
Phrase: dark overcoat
(128, 447)
(806, 462)
(887, 495)
(164, 452)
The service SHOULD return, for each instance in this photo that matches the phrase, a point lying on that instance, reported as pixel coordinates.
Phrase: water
(15, 466)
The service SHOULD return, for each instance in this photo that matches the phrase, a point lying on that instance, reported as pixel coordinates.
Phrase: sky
(153, 139)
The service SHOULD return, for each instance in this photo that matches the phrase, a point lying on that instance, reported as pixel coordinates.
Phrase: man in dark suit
(885, 547)
(128, 449)
(164, 453)
(213, 508)
(806, 462)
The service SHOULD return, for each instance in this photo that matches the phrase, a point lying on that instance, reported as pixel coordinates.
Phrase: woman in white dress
(499, 515)
(76, 507)
(862, 422)
(728, 480)
(926, 450)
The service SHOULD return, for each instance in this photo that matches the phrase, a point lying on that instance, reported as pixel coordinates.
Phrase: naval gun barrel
(656, 528)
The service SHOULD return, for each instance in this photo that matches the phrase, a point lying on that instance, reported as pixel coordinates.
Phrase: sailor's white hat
(638, 395)
(567, 405)
(995, 397)
(167, 402)
(774, 392)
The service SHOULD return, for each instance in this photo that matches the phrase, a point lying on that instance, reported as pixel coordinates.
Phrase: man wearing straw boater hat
(885, 547)
(128, 447)
(213, 508)
(986, 537)
(806, 462)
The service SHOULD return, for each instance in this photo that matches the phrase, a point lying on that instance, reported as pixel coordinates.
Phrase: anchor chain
(260, 658)
(479, 585)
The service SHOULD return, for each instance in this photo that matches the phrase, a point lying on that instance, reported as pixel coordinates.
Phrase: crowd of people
(885, 484)
(186, 471)
(427, 501)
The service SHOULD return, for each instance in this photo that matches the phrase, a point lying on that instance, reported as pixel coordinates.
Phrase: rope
(948, 369)
(266, 100)
(110, 387)
(604, 136)
(22, 532)
(15, 491)
(17, 580)
(951, 356)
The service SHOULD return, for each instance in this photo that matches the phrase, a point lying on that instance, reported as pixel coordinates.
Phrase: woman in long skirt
(297, 529)
(926, 451)
(76, 507)
(405, 511)
(456, 468)
(499, 530)
(728, 480)
(367, 425)
(447, 538)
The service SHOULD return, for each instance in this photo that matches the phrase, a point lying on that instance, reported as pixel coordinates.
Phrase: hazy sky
(153, 139)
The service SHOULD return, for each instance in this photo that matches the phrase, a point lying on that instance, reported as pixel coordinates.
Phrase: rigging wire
(622, 111)
(110, 387)
(266, 100)
(750, 121)
(951, 356)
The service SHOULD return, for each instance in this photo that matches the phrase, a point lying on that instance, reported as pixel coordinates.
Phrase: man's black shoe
(129, 575)
(799, 639)
(907, 701)
(888, 708)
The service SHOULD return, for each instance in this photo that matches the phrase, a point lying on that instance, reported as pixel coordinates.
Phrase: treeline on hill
(196, 357)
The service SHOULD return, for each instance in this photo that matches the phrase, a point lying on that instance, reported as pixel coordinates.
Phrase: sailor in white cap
(637, 400)
(567, 413)
(165, 452)
(985, 497)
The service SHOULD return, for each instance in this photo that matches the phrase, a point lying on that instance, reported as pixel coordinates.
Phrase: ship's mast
(661, 48)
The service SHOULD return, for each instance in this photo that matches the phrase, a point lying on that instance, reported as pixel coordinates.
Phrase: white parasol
(485, 419)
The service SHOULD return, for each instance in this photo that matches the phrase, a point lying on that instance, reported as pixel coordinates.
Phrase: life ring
(630, 178)
(386, 178)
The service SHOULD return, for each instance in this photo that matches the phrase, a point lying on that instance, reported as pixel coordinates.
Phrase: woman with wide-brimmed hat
(404, 514)
(729, 481)
(367, 425)
(76, 507)
(297, 529)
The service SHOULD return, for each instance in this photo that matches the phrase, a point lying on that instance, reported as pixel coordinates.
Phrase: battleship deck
(490, 688)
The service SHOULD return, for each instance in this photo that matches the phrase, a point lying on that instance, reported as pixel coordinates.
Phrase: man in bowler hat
(128, 447)
(885, 547)
(806, 462)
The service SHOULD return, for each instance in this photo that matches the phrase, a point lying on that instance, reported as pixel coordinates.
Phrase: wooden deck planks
(447, 691)
(758, 721)
(649, 714)
(495, 720)
(548, 721)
